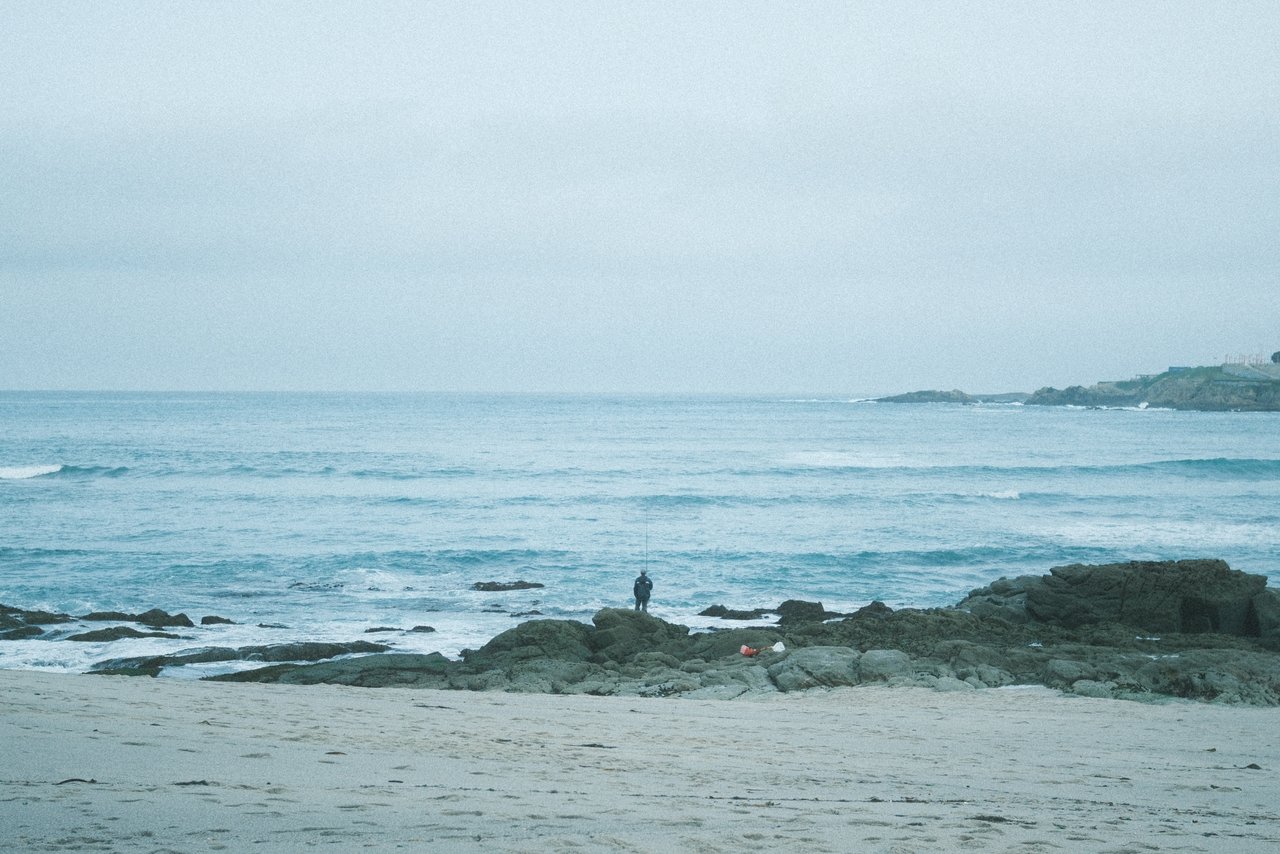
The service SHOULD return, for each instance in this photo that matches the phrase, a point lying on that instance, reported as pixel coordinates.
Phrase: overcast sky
(853, 198)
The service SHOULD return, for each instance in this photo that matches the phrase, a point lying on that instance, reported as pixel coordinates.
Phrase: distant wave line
(1236, 467)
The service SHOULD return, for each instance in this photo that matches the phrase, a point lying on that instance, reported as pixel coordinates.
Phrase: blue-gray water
(330, 514)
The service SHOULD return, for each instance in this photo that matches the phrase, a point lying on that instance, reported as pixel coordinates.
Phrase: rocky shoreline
(1192, 629)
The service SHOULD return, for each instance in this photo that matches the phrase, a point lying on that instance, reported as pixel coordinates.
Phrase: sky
(844, 198)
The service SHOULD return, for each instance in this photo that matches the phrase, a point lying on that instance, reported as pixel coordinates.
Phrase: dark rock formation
(17, 618)
(422, 629)
(620, 635)
(795, 611)
(21, 633)
(118, 633)
(216, 621)
(150, 665)
(536, 639)
(789, 612)
(1085, 630)
(162, 619)
(503, 586)
(1266, 607)
(109, 617)
(155, 618)
(1186, 596)
(1141, 630)
(16, 624)
(371, 671)
(731, 614)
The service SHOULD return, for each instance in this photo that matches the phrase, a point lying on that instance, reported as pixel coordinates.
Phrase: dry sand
(91, 763)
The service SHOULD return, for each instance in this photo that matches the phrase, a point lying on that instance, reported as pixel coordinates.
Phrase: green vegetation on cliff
(1225, 388)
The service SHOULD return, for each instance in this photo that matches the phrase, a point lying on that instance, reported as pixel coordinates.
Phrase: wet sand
(91, 763)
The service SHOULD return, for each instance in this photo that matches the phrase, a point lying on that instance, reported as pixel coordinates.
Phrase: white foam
(1010, 494)
(27, 472)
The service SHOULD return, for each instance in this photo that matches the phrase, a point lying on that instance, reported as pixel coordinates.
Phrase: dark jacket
(641, 588)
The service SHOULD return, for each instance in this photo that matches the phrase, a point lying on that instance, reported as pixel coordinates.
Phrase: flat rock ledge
(1147, 631)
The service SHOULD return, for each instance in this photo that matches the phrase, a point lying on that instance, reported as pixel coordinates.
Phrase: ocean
(319, 516)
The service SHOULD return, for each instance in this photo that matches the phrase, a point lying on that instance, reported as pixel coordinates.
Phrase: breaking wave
(28, 472)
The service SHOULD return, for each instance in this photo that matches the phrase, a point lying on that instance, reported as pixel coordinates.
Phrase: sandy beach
(133, 764)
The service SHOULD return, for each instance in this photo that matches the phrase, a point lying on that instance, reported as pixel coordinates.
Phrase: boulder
(884, 664)
(1059, 672)
(213, 620)
(561, 640)
(1093, 688)
(621, 634)
(740, 676)
(1005, 598)
(873, 609)
(951, 683)
(814, 667)
(795, 611)
(158, 619)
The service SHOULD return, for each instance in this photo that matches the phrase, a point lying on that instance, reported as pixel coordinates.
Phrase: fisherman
(642, 588)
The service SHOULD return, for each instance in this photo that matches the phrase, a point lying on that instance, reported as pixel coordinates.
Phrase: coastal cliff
(1225, 388)
(1211, 389)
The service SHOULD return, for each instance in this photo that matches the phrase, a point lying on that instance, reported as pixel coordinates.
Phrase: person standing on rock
(642, 588)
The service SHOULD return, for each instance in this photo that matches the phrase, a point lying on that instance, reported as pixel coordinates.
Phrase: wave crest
(28, 472)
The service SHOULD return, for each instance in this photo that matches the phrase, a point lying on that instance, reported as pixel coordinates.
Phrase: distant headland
(1245, 386)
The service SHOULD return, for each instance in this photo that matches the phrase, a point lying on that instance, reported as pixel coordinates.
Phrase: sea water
(319, 516)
